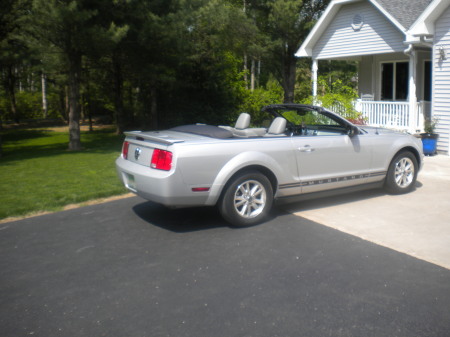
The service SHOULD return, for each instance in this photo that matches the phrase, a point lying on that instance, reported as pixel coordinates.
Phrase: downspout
(408, 50)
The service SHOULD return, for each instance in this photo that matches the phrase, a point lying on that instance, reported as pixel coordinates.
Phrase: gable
(405, 12)
(341, 39)
(424, 25)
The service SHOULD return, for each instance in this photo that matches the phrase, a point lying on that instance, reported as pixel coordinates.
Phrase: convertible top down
(285, 152)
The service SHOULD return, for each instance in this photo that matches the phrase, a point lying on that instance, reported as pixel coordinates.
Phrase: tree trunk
(63, 104)
(289, 72)
(118, 95)
(87, 102)
(1, 129)
(252, 75)
(44, 94)
(245, 71)
(11, 87)
(74, 102)
(154, 109)
(87, 109)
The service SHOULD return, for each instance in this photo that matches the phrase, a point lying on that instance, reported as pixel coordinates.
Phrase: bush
(29, 105)
(340, 99)
(255, 100)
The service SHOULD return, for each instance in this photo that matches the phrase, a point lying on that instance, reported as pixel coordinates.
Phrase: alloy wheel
(404, 172)
(250, 199)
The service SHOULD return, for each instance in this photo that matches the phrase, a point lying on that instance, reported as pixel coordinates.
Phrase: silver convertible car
(286, 152)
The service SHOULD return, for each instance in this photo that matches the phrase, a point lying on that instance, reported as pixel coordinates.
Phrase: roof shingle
(405, 12)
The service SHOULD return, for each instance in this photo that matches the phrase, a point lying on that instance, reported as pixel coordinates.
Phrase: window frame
(394, 81)
(425, 80)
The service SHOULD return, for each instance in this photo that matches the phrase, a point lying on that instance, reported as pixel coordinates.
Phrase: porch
(394, 88)
(395, 115)
(402, 52)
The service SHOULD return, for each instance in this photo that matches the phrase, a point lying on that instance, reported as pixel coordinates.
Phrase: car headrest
(278, 126)
(243, 122)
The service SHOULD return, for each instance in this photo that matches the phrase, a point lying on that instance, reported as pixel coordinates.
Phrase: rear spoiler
(153, 136)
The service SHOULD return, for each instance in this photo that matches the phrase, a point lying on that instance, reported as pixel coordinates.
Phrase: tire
(402, 173)
(247, 199)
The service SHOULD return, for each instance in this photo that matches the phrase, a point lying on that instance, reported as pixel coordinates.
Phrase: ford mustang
(286, 152)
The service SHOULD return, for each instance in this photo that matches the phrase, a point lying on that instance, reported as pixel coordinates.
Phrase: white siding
(441, 81)
(377, 36)
(366, 83)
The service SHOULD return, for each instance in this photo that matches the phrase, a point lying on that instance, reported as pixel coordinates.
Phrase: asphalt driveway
(131, 268)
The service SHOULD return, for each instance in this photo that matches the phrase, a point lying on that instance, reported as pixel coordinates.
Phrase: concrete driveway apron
(417, 223)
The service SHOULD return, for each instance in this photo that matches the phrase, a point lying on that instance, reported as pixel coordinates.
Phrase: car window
(262, 119)
(311, 123)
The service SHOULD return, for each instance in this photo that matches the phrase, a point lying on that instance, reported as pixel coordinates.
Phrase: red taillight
(125, 147)
(200, 189)
(161, 160)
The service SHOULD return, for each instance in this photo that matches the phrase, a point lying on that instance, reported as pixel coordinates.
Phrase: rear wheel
(247, 199)
(402, 173)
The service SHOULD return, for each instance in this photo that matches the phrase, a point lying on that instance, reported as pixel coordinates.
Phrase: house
(403, 51)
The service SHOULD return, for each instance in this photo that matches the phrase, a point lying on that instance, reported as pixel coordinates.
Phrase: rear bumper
(162, 187)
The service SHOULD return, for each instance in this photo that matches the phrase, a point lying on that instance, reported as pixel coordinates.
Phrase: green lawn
(38, 173)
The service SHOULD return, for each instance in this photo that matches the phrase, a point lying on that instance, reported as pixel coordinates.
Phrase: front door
(332, 161)
(327, 157)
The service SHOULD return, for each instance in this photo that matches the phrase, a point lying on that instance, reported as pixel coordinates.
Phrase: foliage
(153, 64)
(430, 125)
(337, 97)
(29, 103)
(287, 23)
(303, 83)
(258, 98)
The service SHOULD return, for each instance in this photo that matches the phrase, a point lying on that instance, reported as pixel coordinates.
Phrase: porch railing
(394, 115)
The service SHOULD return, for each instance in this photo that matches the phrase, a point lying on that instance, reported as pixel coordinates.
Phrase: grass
(38, 173)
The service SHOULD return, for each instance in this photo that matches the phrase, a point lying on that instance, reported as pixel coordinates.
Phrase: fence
(394, 115)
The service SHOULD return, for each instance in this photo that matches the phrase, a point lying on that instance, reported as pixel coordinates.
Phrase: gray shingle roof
(405, 12)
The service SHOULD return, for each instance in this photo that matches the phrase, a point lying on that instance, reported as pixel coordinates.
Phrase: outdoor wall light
(442, 53)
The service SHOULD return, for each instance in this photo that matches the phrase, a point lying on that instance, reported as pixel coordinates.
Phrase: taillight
(125, 147)
(161, 160)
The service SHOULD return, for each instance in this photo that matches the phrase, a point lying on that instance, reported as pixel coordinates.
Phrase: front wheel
(402, 173)
(247, 199)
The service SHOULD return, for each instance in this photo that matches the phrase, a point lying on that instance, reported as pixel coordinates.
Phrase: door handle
(306, 148)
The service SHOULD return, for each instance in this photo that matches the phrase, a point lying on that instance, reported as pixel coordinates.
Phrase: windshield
(307, 121)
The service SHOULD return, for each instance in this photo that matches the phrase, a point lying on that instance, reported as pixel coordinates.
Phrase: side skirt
(329, 193)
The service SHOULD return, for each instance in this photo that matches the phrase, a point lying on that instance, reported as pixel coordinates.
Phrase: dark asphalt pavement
(130, 268)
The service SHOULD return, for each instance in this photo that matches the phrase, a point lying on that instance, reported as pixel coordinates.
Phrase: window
(309, 122)
(307, 117)
(394, 81)
(427, 82)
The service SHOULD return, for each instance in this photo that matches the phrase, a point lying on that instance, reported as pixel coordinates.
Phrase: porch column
(315, 68)
(413, 118)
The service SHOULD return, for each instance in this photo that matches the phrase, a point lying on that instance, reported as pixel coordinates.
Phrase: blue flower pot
(429, 141)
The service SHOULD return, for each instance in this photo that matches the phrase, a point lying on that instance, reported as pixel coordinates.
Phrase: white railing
(394, 115)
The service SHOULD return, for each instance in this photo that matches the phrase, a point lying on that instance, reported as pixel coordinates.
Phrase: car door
(328, 157)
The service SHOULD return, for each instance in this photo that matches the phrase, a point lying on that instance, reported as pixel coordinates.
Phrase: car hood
(379, 131)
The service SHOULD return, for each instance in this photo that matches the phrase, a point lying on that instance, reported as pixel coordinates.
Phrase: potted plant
(429, 137)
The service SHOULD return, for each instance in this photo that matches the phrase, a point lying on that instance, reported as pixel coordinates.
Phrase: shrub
(29, 105)
(340, 99)
(255, 100)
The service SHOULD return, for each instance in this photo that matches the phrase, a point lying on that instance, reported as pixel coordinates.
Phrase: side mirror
(353, 131)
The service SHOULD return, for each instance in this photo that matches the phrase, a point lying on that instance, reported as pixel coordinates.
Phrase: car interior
(296, 122)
